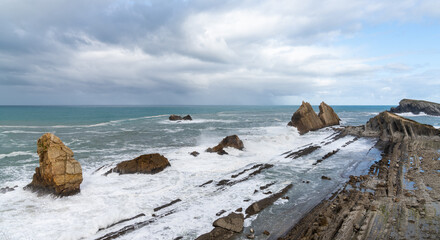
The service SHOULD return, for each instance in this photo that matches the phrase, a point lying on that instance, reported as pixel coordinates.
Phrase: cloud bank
(216, 52)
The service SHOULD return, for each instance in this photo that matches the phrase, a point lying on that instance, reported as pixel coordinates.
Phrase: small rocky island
(417, 107)
(179, 118)
(305, 119)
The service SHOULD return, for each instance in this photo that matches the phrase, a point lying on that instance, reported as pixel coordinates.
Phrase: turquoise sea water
(100, 135)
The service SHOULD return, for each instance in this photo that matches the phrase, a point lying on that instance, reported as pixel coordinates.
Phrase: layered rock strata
(305, 119)
(417, 107)
(59, 173)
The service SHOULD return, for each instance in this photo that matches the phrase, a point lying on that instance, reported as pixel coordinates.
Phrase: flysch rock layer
(398, 199)
(59, 173)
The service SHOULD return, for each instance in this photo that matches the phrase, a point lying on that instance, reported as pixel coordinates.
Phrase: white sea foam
(106, 200)
(410, 114)
(15, 154)
(114, 122)
(197, 121)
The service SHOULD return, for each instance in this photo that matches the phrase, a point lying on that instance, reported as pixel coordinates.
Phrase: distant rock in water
(59, 172)
(416, 107)
(229, 141)
(148, 163)
(178, 118)
(305, 119)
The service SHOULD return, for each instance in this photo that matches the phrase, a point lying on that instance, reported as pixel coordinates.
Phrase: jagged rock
(305, 119)
(229, 141)
(7, 189)
(59, 172)
(258, 206)
(148, 163)
(195, 153)
(187, 117)
(328, 115)
(217, 233)
(416, 107)
(233, 222)
(389, 126)
(325, 178)
(174, 117)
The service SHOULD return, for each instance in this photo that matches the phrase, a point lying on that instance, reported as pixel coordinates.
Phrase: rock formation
(225, 227)
(148, 163)
(59, 172)
(177, 117)
(229, 141)
(328, 115)
(416, 107)
(398, 197)
(305, 119)
(391, 127)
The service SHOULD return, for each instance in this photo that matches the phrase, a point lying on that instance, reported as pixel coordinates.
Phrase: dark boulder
(194, 153)
(229, 141)
(175, 117)
(148, 163)
(187, 117)
(416, 107)
(178, 118)
(233, 222)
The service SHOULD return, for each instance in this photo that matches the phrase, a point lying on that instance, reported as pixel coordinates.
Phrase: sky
(250, 52)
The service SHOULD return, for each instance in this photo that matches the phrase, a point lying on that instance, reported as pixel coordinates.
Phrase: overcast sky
(218, 52)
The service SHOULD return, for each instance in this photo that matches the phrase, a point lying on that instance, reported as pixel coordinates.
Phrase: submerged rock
(148, 163)
(194, 153)
(416, 107)
(7, 189)
(177, 118)
(59, 172)
(229, 141)
(305, 119)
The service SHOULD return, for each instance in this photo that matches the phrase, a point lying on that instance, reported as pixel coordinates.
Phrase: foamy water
(105, 200)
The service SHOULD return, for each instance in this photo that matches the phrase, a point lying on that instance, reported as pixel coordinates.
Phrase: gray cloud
(198, 52)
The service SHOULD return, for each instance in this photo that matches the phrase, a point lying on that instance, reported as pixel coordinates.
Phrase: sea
(106, 135)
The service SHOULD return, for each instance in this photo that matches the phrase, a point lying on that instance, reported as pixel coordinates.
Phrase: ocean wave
(85, 126)
(21, 131)
(15, 154)
(196, 121)
(410, 114)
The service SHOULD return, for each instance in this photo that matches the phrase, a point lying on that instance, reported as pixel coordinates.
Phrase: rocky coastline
(399, 198)
(417, 107)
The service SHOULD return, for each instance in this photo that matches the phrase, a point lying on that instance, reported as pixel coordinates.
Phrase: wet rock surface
(179, 118)
(225, 227)
(148, 163)
(305, 119)
(229, 141)
(398, 199)
(59, 173)
(417, 107)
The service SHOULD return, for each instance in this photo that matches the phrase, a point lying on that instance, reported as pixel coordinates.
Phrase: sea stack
(59, 173)
(305, 119)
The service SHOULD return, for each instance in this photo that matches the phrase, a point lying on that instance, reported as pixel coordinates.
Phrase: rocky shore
(398, 199)
(417, 107)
